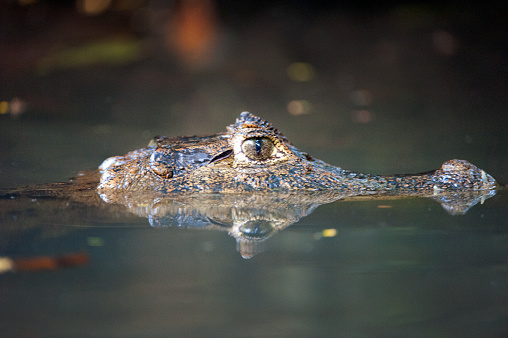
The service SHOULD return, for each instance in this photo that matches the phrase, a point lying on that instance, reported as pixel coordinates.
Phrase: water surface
(359, 268)
(396, 91)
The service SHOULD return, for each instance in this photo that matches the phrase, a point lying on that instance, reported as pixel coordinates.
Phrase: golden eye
(258, 148)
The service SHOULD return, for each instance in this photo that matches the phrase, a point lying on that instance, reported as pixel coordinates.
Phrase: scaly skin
(253, 156)
(249, 181)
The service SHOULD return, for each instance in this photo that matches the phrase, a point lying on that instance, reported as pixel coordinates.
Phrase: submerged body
(253, 156)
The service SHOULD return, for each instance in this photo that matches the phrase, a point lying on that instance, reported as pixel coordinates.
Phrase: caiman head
(251, 156)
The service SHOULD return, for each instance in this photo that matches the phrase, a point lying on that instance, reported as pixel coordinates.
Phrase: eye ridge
(258, 148)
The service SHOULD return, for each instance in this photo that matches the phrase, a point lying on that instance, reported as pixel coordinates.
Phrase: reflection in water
(251, 218)
(43, 262)
(254, 217)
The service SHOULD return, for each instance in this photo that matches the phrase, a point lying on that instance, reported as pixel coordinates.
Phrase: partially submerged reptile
(253, 156)
(249, 181)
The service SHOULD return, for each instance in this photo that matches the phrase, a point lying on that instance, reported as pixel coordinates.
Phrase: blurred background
(389, 87)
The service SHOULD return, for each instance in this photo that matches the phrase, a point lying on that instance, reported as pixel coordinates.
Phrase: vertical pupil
(259, 144)
(258, 148)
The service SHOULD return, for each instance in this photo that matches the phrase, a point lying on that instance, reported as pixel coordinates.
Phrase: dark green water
(398, 91)
(407, 270)
(389, 268)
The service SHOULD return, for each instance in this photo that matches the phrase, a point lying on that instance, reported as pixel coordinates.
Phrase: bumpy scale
(254, 156)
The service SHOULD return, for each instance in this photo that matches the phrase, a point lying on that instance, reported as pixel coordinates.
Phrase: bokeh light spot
(299, 107)
(92, 7)
(4, 107)
(95, 241)
(300, 71)
(329, 232)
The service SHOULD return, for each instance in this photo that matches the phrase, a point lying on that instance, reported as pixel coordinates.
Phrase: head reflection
(253, 218)
(250, 236)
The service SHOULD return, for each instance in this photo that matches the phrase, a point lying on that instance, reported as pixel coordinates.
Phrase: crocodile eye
(258, 148)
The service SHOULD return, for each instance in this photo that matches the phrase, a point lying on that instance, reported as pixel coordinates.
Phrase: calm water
(411, 270)
(396, 91)
(364, 268)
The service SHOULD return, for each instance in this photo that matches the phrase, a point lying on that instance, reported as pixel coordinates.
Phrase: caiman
(253, 156)
(249, 181)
